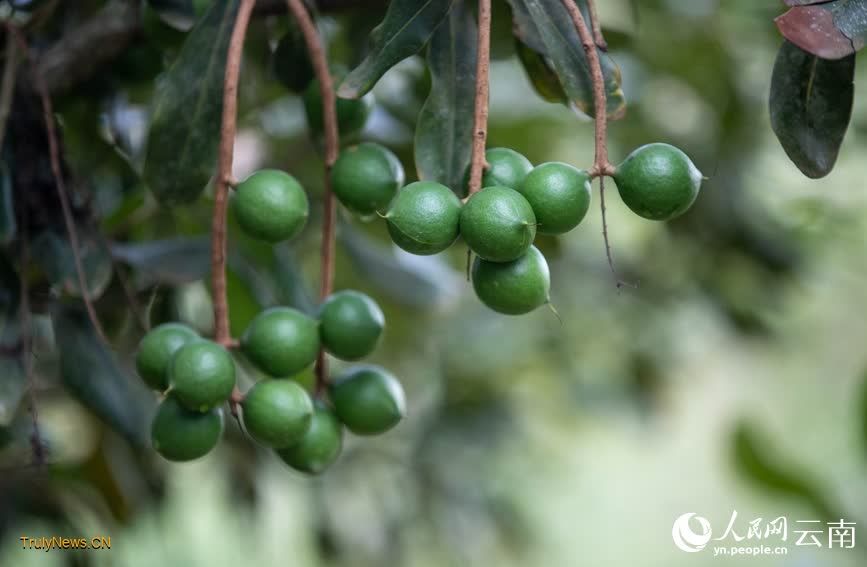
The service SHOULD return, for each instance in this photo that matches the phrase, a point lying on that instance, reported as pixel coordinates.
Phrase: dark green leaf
(406, 28)
(444, 134)
(92, 374)
(543, 78)
(417, 281)
(53, 253)
(185, 128)
(546, 27)
(173, 261)
(811, 104)
(8, 224)
(754, 459)
(12, 386)
(12, 379)
(292, 65)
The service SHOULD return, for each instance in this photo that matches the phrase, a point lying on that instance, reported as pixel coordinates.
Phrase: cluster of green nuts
(198, 375)
(499, 223)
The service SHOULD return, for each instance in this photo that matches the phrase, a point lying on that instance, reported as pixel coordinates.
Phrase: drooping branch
(332, 146)
(59, 180)
(601, 165)
(480, 116)
(224, 172)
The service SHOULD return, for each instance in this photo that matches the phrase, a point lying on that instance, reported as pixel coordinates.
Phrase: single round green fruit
(513, 288)
(498, 224)
(368, 400)
(281, 341)
(351, 324)
(658, 182)
(424, 218)
(352, 114)
(319, 446)
(179, 434)
(366, 178)
(201, 375)
(277, 413)
(559, 195)
(506, 167)
(155, 352)
(271, 205)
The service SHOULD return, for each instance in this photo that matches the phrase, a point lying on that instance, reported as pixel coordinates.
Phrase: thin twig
(7, 89)
(223, 181)
(332, 146)
(597, 26)
(618, 282)
(480, 116)
(26, 322)
(59, 180)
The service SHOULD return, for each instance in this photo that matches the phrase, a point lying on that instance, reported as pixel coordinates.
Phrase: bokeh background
(731, 377)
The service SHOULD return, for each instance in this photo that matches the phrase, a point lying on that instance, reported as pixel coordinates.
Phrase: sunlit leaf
(811, 104)
(185, 129)
(444, 133)
(406, 28)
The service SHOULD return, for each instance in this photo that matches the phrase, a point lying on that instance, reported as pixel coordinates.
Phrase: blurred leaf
(243, 303)
(543, 78)
(180, 14)
(444, 134)
(418, 281)
(185, 129)
(292, 65)
(8, 224)
(811, 104)
(291, 288)
(546, 27)
(92, 374)
(406, 28)
(755, 460)
(12, 379)
(12, 386)
(54, 255)
(172, 261)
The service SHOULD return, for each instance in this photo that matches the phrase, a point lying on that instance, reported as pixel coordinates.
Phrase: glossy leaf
(172, 261)
(444, 133)
(185, 128)
(811, 104)
(831, 30)
(91, 373)
(406, 28)
(754, 459)
(546, 27)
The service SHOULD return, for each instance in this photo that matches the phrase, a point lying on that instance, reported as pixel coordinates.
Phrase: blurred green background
(732, 377)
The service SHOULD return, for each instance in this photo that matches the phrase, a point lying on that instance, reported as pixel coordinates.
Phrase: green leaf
(172, 261)
(546, 27)
(185, 128)
(543, 78)
(754, 459)
(12, 386)
(811, 104)
(8, 224)
(406, 28)
(292, 65)
(444, 134)
(92, 374)
(53, 253)
(416, 281)
(180, 14)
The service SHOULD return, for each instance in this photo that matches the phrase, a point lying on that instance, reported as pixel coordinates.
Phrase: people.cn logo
(685, 538)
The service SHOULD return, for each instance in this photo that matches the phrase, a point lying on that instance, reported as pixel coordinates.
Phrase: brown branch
(332, 146)
(7, 88)
(223, 180)
(601, 165)
(480, 116)
(598, 38)
(59, 180)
